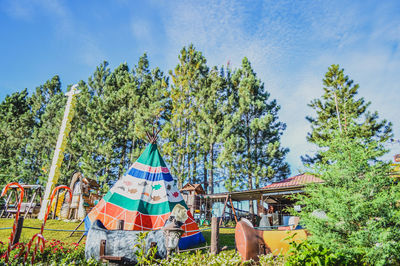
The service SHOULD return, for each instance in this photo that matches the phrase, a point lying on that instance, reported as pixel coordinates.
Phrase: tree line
(218, 125)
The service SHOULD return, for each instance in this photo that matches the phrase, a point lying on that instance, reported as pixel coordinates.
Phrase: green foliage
(49, 102)
(230, 257)
(213, 121)
(355, 212)
(338, 109)
(211, 101)
(181, 148)
(55, 252)
(144, 255)
(203, 258)
(309, 253)
(252, 150)
(15, 125)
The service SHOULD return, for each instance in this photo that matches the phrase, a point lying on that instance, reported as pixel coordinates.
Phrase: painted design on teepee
(144, 198)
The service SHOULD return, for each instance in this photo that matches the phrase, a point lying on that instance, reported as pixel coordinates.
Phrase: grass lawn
(226, 235)
(27, 234)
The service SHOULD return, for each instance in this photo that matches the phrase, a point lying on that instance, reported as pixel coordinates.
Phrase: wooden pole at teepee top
(153, 137)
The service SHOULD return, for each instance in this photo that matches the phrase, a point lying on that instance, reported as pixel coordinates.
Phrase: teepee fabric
(144, 198)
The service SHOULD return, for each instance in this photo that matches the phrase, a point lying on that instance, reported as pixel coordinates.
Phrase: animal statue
(251, 242)
(121, 245)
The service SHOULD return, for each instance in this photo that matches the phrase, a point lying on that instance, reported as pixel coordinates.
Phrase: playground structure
(18, 224)
(85, 195)
(193, 195)
(143, 200)
(276, 195)
(30, 205)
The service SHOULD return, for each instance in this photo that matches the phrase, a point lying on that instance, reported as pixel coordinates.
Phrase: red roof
(295, 181)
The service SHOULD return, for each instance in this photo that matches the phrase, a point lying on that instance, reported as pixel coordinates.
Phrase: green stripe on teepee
(140, 205)
(151, 156)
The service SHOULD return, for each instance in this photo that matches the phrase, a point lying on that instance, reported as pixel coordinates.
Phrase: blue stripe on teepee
(149, 176)
(190, 241)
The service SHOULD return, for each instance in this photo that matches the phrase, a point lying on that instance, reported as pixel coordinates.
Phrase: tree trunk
(250, 187)
(249, 176)
(205, 181)
(133, 149)
(194, 171)
(257, 181)
(121, 164)
(211, 168)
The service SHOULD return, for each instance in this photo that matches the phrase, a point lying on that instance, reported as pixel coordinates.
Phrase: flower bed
(55, 252)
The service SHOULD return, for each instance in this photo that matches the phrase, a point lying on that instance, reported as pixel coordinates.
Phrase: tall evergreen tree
(48, 104)
(15, 129)
(121, 105)
(152, 103)
(256, 131)
(96, 157)
(187, 79)
(211, 101)
(355, 212)
(339, 107)
(227, 157)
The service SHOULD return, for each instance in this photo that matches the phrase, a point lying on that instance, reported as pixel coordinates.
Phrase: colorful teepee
(144, 198)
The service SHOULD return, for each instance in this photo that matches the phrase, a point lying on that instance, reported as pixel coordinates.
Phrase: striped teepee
(144, 198)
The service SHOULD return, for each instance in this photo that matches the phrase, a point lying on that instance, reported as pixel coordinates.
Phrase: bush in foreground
(55, 252)
(355, 212)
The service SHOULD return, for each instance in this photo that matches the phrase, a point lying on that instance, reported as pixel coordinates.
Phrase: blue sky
(290, 44)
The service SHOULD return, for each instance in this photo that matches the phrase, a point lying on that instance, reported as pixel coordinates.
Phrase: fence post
(18, 230)
(214, 235)
(121, 224)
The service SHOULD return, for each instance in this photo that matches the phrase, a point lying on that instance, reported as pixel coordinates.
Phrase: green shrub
(55, 252)
(203, 258)
(309, 253)
(356, 210)
(143, 257)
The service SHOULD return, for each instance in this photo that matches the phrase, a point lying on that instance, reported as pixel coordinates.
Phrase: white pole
(60, 147)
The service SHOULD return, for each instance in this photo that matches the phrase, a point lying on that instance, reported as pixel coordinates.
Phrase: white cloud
(291, 45)
(141, 30)
(89, 52)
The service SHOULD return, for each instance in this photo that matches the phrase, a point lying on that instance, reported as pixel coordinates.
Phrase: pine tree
(15, 129)
(211, 103)
(119, 93)
(229, 138)
(255, 131)
(355, 212)
(115, 112)
(48, 103)
(337, 108)
(152, 104)
(95, 134)
(181, 137)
